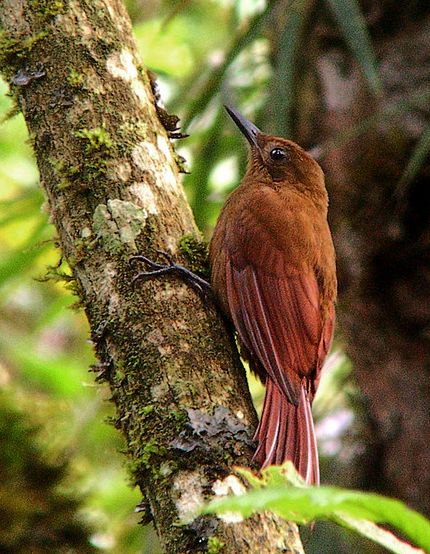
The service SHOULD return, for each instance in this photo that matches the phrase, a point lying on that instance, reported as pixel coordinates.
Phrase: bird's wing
(276, 311)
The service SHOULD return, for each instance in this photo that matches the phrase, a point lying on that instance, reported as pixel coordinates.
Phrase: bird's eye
(278, 154)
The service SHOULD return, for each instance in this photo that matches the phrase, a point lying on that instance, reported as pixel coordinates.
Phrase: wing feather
(279, 319)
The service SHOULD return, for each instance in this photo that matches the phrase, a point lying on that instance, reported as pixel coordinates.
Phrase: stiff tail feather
(286, 432)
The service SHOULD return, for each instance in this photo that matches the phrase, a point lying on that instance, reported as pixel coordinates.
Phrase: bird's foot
(156, 270)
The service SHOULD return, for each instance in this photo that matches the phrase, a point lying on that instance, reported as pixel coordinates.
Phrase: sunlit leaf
(303, 504)
(22, 258)
(215, 77)
(21, 206)
(59, 376)
(179, 7)
(161, 50)
(378, 535)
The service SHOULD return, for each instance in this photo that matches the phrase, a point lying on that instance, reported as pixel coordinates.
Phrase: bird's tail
(286, 432)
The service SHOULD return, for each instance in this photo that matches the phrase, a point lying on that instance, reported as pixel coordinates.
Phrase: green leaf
(353, 26)
(21, 206)
(213, 80)
(203, 164)
(378, 535)
(60, 377)
(282, 97)
(353, 509)
(418, 156)
(19, 261)
(161, 49)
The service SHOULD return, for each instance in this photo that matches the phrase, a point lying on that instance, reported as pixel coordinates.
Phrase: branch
(113, 189)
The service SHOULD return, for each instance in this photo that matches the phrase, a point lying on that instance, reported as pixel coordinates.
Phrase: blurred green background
(205, 53)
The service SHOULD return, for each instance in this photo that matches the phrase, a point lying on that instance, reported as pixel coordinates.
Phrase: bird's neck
(312, 191)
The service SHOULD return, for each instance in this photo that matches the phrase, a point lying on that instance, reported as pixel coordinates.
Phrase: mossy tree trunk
(113, 189)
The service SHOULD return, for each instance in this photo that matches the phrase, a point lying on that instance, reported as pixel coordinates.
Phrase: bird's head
(280, 162)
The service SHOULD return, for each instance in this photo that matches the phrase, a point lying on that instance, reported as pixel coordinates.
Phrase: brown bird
(273, 273)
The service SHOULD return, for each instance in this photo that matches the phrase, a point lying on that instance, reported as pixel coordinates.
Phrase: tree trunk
(113, 190)
(382, 232)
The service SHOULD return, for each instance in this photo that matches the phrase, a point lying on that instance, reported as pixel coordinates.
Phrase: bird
(273, 274)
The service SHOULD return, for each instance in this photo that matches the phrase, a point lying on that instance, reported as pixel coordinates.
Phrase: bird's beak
(248, 129)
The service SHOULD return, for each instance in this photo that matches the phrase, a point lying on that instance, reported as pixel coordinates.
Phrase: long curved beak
(248, 129)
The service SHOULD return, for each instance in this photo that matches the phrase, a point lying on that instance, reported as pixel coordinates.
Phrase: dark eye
(278, 154)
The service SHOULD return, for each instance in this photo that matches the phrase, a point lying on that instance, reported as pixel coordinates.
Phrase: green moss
(215, 546)
(134, 361)
(56, 274)
(66, 174)
(12, 48)
(119, 375)
(47, 8)
(93, 170)
(75, 288)
(75, 79)
(181, 163)
(179, 417)
(166, 469)
(98, 148)
(129, 134)
(150, 450)
(196, 254)
(146, 410)
(11, 113)
(97, 139)
(84, 244)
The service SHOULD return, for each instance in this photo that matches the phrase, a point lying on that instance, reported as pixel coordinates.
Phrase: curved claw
(167, 256)
(156, 268)
(201, 286)
(147, 261)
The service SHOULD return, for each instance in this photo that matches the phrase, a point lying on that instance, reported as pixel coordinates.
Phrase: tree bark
(381, 231)
(113, 189)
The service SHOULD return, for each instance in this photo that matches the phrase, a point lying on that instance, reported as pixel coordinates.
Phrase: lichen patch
(169, 178)
(155, 337)
(188, 488)
(168, 293)
(144, 192)
(139, 90)
(122, 66)
(230, 485)
(143, 155)
(107, 284)
(223, 487)
(118, 224)
(121, 170)
(148, 157)
(184, 346)
(75, 18)
(160, 392)
(164, 146)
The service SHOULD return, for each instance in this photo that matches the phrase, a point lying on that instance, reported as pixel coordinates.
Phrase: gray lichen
(117, 225)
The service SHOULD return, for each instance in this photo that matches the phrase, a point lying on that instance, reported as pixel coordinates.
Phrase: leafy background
(205, 53)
